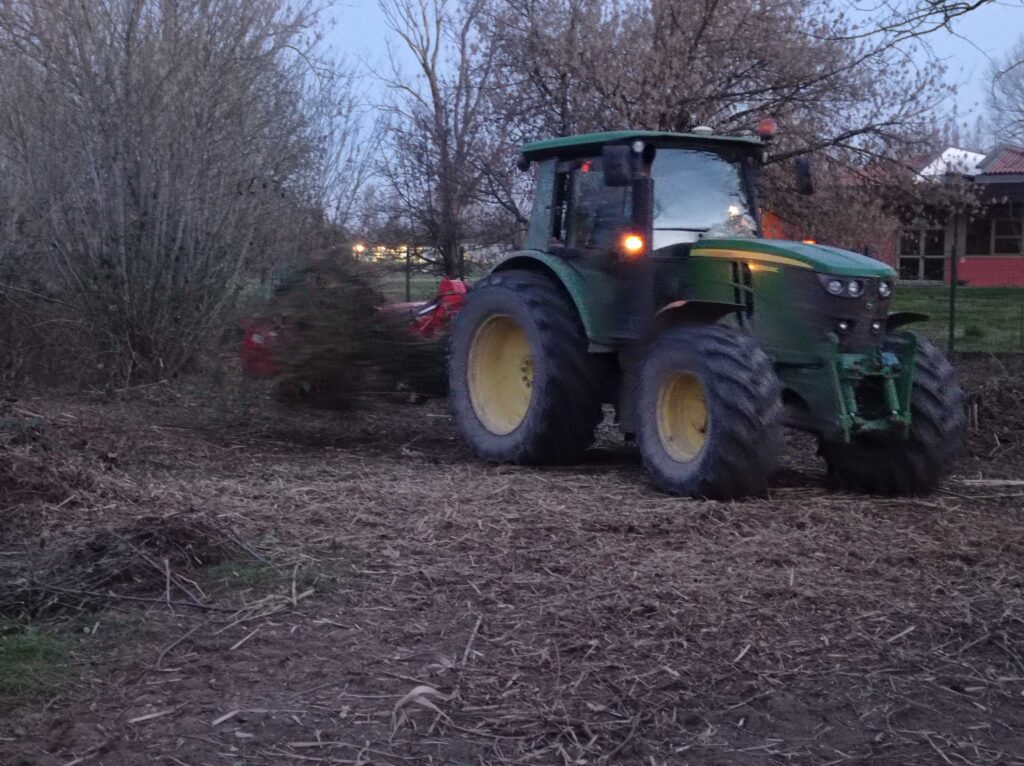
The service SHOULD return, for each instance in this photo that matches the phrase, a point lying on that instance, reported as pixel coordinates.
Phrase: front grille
(824, 311)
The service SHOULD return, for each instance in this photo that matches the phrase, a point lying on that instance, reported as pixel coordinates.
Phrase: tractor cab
(595, 190)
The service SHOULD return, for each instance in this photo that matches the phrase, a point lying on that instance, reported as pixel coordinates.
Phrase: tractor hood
(820, 258)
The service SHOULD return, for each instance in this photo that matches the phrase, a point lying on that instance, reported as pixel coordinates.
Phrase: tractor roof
(592, 142)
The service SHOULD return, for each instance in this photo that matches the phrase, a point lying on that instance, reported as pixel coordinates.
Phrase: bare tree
(858, 96)
(437, 129)
(1005, 103)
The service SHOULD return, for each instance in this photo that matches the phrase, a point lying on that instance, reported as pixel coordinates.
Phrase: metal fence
(986, 319)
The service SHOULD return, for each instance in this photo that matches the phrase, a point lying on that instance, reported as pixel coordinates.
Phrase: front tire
(915, 465)
(708, 414)
(521, 382)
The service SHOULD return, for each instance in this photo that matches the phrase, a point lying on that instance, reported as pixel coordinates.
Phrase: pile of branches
(28, 470)
(995, 389)
(148, 560)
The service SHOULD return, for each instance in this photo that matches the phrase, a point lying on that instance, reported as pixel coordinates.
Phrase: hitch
(894, 374)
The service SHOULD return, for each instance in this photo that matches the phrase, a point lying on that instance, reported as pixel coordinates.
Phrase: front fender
(899, 318)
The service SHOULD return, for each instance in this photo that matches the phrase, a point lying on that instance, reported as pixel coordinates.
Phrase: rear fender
(564, 273)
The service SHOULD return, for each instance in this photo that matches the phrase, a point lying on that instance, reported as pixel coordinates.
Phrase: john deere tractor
(645, 283)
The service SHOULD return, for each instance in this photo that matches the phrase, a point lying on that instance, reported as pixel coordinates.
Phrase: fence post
(408, 275)
(952, 283)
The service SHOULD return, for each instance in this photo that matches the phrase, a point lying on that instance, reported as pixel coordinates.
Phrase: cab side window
(588, 214)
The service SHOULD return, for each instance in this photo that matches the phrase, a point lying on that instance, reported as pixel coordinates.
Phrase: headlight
(848, 288)
(884, 289)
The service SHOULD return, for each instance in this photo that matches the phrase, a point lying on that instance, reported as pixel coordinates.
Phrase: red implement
(428, 320)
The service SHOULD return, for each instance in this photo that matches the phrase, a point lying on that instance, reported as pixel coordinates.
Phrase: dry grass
(425, 608)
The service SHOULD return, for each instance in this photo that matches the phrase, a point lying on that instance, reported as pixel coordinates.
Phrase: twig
(157, 714)
(93, 751)
(243, 640)
(245, 546)
(171, 646)
(618, 748)
(145, 557)
(472, 637)
(142, 599)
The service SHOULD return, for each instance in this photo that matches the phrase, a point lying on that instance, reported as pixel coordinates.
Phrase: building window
(998, 233)
(923, 254)
(979, 236)
(1006, 229)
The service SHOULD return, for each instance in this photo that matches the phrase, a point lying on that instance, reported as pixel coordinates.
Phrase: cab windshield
(698, 193)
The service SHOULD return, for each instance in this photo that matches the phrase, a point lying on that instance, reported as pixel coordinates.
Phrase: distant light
(810, 241)
(632, 245)
(360, 248)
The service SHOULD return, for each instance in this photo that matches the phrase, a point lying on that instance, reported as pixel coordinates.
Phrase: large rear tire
(915, 465)
(522, 385)
(708, 413)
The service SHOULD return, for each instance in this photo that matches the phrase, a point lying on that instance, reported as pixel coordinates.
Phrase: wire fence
(985, 319)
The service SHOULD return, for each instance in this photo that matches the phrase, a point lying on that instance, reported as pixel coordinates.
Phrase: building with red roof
(988, 244)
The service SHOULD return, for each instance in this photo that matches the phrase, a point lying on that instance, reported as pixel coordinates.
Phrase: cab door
(588, 217)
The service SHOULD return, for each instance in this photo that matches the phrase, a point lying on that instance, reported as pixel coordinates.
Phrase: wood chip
(225, 717)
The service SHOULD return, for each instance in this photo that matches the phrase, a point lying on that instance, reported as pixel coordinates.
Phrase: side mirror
(802, 168)
(617, 165)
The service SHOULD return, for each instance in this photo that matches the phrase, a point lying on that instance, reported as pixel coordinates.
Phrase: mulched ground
(243, 583)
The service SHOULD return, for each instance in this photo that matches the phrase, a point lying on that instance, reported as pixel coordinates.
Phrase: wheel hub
(500, 374)
(682, 416)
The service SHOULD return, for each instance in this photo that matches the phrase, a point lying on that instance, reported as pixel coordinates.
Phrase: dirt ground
(238, 582)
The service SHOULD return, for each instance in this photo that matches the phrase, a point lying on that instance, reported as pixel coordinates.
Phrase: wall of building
(990, 271)
(981, 270)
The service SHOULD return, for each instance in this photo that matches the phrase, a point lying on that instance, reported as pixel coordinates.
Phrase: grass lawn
(29, 659)
(421, 286)
(987, 318)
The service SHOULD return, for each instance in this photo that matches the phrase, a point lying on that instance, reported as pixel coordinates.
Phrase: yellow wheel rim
(682, 416)
(500, 374)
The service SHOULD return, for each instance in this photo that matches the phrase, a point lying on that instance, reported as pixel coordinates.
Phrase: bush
(139, 192)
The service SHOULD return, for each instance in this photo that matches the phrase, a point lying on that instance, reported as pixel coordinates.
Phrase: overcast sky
(977, 37)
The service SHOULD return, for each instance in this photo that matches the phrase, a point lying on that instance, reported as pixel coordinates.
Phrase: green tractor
(645, 284)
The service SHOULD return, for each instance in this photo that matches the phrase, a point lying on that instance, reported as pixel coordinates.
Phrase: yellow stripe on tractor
(743, 255)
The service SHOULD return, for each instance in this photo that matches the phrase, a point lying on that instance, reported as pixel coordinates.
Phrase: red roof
(1006, 159)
